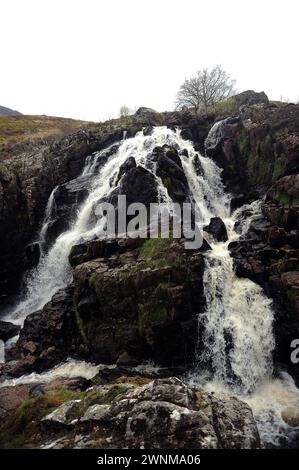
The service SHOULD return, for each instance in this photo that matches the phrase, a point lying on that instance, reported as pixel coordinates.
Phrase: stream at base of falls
(236, 328)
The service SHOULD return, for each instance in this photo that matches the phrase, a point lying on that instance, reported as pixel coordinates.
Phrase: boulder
(250, 98)
(96, 413)
(125, 359)
(138, 185)
(125, 167)
(217, 229)
(169, 169)
(62, 417)
(166, 413)
(148, 117)
(8, 330)
(11, 398)
(50, 336)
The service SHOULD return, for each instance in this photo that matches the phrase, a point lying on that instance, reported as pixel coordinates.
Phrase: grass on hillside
(18, 130)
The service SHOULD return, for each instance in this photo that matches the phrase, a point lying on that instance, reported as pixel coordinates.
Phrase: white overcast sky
(85, 58)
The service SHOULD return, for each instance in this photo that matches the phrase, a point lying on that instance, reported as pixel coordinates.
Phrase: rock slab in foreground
(165, 413)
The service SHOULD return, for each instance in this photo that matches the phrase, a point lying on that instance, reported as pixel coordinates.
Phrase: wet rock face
(8, 330)
(125, 167)
(269, 255)
(258, 147)
(140, 298)
(217, 229)
(170, 170)
(49, 336)
(138, 185)
(152, 308)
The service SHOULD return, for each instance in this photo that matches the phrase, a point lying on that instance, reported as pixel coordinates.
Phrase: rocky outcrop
(8, 330)
(125, 167)
(25, 185)
(49, 336)
(148, 117)
(269, 255)
(138, 185)
(217, 229)
(258, 146)
(135, 297)
(128, 413)
(249, 98)
(170, 170)
(11, 398)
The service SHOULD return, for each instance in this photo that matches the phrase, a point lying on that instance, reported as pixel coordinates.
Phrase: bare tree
(205, 89)
(124, 111)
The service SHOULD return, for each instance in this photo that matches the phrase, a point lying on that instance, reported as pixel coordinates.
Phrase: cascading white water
(235, 354)
(49, 214)
(237, 313)
(237, 324)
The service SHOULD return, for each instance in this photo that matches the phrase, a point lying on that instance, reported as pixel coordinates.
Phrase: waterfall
(50, 212)
(53, 271)
(235, 352)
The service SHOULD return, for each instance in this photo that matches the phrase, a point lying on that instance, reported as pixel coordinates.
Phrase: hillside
(20, 133)
(8, 112)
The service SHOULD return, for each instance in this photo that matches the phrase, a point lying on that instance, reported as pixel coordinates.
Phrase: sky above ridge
(84, 59)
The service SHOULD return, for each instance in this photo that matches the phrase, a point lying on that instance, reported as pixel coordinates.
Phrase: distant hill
(8, 112)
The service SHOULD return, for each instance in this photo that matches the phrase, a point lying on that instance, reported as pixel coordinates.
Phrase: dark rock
(186, 134)
(8, 330)
(124, 302)
(125, 167)
(11, 398)
(125, 359)
(53, 334)
(217, 229)
(197, 166)
(32, 253)
(169, 169)
(76, 384)
(148, 117)
(221, 131)
(250, 150)
(101, 249)
(238, 201)
(250, 97)
(147, 131)
(138, 185)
